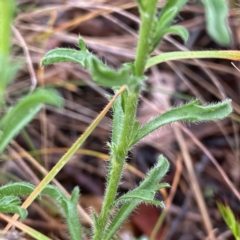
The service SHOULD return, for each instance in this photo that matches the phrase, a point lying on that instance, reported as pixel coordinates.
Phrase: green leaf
(155, 174)
(101, 73)
(23, 112)
(147, 188)
(59, 55)
(145, 196)
(229, 219)
(179, 4)
(16, 189)
(177, 30)
(165, 19)
(11, 204)
(217, 24)
(108, 77)
(69, 209)
(192, 112)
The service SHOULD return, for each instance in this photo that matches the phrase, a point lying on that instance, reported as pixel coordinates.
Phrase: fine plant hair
(127, 82)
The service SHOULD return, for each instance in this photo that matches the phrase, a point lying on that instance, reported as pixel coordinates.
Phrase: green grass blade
(171, 56)
(229, 219)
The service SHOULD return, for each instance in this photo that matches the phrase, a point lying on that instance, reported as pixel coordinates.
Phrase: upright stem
(148, 14)
(117, 162)
(119, 154)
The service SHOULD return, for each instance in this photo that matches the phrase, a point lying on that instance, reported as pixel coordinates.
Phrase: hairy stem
(148, 14)
(117, 162)
(119, 152)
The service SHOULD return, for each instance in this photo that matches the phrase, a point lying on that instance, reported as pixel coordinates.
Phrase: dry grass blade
(194, 183)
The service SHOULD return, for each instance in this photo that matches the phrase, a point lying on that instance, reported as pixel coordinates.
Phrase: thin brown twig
(28, 58)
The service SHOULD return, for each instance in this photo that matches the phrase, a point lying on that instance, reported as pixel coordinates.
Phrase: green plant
(229, 219)
(126, 130)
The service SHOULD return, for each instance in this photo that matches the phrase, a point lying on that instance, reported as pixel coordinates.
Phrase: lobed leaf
(217, 24)
(192, 112)
(23, 112)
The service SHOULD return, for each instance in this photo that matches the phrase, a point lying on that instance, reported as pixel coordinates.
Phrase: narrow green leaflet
(229, 219)
(146, 191)
(23, 112)
(69, 209)
(217, 24)
(191, 112)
